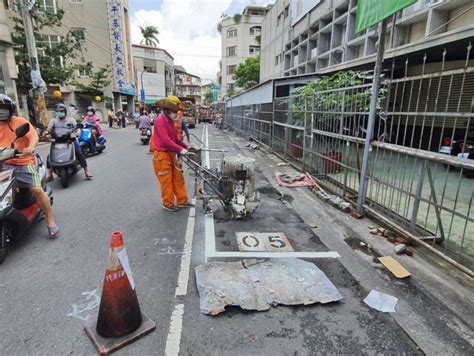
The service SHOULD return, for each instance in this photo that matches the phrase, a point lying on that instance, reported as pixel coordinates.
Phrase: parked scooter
(62, 157)
(462, 147)
(145, 135)
(86, 140)
(18, 209)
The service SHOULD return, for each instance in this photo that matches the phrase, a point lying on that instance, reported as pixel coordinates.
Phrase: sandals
(89, 177)
(53, 231)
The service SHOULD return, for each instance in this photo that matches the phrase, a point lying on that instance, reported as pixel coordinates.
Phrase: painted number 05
(276, 242)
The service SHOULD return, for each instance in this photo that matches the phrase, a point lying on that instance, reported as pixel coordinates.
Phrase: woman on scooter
(61, 124)
(92, 119)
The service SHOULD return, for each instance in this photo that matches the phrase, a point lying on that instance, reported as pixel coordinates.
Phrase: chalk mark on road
(79, 309)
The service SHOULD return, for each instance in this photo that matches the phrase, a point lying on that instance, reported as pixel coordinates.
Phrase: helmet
(90, 108)
(7, 103)
(60, 107)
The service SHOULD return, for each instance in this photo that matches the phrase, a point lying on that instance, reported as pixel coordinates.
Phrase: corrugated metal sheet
(258, 95)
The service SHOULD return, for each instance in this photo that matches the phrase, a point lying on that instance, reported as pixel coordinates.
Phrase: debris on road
(381, 301)
(293, 180)
(260, 285)
(393, 266)
(400, 248)
(283, 164)
(401, 243)
(253, 145)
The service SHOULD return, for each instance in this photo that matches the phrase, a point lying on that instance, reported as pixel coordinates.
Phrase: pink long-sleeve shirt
(93, 120)
(165, 136)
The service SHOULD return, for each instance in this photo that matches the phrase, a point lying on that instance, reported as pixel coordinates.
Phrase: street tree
(97, 82)
(208, 97)
(56, 59)
(150, 35)
(247, 74)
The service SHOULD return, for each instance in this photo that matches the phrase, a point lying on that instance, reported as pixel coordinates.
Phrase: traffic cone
(119, 316)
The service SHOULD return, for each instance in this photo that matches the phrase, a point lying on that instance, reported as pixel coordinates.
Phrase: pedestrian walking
(166, 145)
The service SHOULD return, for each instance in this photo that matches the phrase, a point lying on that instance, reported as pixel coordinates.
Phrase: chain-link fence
(421, 159)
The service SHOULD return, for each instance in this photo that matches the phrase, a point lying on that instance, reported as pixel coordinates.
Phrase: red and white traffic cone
(119, 317)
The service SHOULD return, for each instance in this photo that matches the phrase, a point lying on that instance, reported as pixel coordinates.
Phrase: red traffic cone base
(120, 321)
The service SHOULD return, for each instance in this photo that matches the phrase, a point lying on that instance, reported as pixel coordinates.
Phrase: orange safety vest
(179, 129)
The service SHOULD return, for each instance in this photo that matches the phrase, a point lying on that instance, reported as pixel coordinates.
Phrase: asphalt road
(49, 287)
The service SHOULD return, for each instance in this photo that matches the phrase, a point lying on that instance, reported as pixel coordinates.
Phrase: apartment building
(275, 34)
(241, 36)
(104, 28)
(318, 36)
(154, 72)
(187, 85)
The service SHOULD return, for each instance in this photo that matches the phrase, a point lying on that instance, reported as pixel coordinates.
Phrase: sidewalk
(436, 304)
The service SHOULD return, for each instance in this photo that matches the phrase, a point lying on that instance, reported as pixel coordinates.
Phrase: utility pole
(372, 114)
(39, 86)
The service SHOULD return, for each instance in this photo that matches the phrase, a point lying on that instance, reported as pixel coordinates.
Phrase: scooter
(460, 148)
(18, 209)
(145, 135)
(86, 140)
(62, 157)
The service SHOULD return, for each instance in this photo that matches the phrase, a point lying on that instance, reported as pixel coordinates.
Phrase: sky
(188, 29)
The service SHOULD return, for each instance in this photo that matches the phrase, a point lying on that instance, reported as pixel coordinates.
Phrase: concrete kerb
(452, 292)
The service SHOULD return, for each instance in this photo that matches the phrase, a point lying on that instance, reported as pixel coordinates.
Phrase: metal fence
(421, 160)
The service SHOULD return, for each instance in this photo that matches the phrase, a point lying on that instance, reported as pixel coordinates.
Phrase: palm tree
(149, 34)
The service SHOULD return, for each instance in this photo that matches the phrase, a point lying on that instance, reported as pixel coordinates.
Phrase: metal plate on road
(263, 241)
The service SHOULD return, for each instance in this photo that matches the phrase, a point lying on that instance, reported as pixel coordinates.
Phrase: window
(231, 51)
(278, 20)
(84, 71)
(149, 69)
(231, 69)
(254, 49)
(49, 41)
(48, 6)
(278, 59)
(79, 33)
(256, 30)
(231, 32)
(286, 12)
(256, 13)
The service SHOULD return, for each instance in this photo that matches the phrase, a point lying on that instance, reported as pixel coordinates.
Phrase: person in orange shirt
(25, 170)
(181, 127)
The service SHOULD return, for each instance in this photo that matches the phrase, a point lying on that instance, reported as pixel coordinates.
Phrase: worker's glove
(184, 152)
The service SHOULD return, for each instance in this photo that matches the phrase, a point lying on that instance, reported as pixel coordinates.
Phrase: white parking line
(174, 335)
(183, 277)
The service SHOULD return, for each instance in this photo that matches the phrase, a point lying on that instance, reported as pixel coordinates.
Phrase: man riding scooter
(26, 174)
(93, 120)
(59, 125)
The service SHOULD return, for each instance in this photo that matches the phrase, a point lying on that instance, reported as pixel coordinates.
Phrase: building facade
(154, 72)
(240, 36)
(318, 36)
(275, 34)
(187, 85)
(8, 73)
(104, 29)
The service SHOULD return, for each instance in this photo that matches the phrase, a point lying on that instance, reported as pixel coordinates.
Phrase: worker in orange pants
(165, 163)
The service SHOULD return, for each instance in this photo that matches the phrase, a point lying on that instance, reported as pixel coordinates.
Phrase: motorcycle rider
(25, 170)
(143, 120)
(92, 119)
(63, 124)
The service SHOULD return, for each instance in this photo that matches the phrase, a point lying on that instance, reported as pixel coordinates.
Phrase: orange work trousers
(171, 178)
